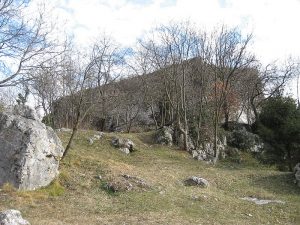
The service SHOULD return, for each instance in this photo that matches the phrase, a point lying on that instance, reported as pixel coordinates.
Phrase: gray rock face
(26, 112)
(165, 136)
(206, 150)
(12, 217)
(29, 153)
(297, 174)
(196, 181)
(125, 145)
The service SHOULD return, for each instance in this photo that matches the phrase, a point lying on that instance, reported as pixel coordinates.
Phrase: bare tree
(226, 54)
(271, 80)
(170, 50)
(89, 77)
(24, 44)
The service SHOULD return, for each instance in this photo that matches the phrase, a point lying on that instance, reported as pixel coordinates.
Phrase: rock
(195, 154)
(99, 177)
(261, 201)
(117, 186)
(95, 137)
(12, 217)
(125, 145)
(30, 151)
(125, 150)
(206, 151)
(297, 174)
(63, 129)
(136, 180)
(91, 141)
(127, 182)
(25, 111)
(196, 181)
(165, 136)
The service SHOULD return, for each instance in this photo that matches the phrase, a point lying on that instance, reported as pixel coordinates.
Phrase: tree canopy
(280, 128)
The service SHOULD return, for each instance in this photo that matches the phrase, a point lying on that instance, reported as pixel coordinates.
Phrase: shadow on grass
(147, 138)
(278, 184)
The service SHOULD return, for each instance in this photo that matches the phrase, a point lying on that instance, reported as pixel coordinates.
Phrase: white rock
(125, 150)
(29, 154)
(261, 201)
(196, 181)
(12, 217)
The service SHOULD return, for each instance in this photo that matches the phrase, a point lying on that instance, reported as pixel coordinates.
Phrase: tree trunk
(289, 159)
(226, 115)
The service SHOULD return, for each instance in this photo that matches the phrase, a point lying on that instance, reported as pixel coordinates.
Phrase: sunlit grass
(78, 196)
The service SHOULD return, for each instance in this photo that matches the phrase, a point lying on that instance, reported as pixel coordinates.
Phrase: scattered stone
(127, 182)
(125, 145)
(125, 150)
(99, 177)
(196, 181)
(30, 151)
(138, 181)
(195, 198)
(117, 186)
(95, 137)
(12, 217)
(261, 201)
(63, 129)
(297, 174)
(91, 141)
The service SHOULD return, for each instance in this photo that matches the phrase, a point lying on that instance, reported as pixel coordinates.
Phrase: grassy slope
(169, 202)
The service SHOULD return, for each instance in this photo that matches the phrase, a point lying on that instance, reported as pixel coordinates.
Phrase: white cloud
(274, 23)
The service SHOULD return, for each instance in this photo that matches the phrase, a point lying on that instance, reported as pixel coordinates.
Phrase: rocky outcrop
(297, 174)
(196, 181)
(123, 144)
(12, 217)
(30, 151)
(164, 136)
(205, 152)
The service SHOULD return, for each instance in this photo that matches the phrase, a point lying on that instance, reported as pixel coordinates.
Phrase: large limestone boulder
(29, 152)
(12, 217)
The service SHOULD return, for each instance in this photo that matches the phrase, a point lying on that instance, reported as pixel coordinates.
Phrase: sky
(274, 23)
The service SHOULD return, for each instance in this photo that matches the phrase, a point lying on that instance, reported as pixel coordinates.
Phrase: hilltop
(78, 196)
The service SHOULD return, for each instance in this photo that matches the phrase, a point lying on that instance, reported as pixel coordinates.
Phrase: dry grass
(77, 197)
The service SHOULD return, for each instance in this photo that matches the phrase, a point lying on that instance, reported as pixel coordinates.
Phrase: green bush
(279, 126)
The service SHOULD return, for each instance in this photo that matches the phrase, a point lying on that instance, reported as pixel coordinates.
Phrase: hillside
(79, 197)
